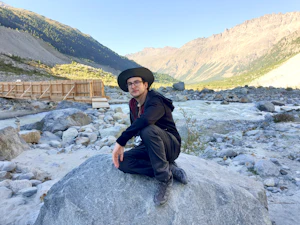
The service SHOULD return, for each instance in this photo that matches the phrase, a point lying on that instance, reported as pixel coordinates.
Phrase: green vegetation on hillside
(38, 69)
(65, 39)
(75, 71)
(163, 80)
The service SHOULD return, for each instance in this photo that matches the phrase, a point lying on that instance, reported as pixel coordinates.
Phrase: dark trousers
(152, 157)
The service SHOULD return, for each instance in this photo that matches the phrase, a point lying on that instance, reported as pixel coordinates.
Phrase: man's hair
(144, 82)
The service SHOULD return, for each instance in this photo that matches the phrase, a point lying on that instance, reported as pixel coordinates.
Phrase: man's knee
(123, 166)
(148, 131)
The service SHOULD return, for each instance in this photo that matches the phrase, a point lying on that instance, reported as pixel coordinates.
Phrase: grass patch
(191, 142)
(283, 117)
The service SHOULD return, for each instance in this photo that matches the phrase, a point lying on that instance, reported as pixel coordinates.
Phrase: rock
(224, 103)
(39, 105)
(270, 182)
(30, 136)
(114, 131)
(27, 192)
(91, 136)
(265, 106)
(206, 90)
(69, 135)
(5, 193)
(278, 103)
(179, 86)
(244, 100)
(7, 166)
(35, 182)
(218, 97)
(105, 150)
(44, 146)
(227, 153)
(82, 141)
(55, 144)
(70, 104)
(26, 176)
(5, 175)
(11, 144)
(18, 185)
(118, 110)
(48, 136)
(60, 120)
(120, 116)
(266, 168)
(97, 193)
(253, 132)
(180, 98)
(244, 159)
(283, 172)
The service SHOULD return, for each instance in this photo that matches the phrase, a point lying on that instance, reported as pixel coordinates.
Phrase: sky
(129, 26)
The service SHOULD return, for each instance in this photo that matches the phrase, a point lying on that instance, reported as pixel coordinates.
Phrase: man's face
(136, 86)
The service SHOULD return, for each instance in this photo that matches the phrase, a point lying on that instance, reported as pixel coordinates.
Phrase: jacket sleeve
(154, 110)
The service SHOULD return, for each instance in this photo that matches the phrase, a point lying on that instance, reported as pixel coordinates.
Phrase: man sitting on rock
(152, 120)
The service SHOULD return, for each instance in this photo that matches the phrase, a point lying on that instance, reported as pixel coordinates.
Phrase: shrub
(191, 144)
(283, 117)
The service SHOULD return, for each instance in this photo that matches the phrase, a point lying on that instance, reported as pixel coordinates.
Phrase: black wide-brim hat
(142, 72)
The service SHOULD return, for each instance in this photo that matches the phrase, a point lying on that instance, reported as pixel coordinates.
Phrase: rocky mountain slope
(67, 40)
(24, 45)
(231, 53)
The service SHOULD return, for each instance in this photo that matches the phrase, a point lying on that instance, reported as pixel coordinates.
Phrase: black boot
(163, 191)
(178, 173)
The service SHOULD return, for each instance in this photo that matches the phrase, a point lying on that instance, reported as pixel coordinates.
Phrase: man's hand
(118, 151)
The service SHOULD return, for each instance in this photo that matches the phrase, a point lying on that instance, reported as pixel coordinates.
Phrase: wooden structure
(89, 91)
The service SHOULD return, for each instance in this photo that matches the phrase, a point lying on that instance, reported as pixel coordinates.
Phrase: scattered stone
(69, 135)
(27, 192)
(266, 168)
(7, 166)
(11, 144)
(18, 185)
(270, 182)
(30, 136)
(265, 106)
(5, 193)
(5, 175)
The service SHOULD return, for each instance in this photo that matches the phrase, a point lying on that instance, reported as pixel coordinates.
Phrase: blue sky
(128, 26)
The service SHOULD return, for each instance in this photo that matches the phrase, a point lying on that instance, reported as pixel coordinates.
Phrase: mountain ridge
(65, 39)
(221, 55)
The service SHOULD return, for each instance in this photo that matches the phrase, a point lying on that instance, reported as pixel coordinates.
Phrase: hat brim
(142, 72)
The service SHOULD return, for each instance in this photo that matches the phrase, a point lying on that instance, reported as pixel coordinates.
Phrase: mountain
(24, 45)
(67, 40)
(247, 48)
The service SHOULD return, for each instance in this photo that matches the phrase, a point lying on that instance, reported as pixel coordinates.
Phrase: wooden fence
(72, 90)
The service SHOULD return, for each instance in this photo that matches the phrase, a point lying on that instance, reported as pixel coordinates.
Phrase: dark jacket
(157, 111)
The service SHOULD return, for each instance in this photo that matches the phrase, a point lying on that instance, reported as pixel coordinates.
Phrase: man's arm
(153, 112)
(118, 151)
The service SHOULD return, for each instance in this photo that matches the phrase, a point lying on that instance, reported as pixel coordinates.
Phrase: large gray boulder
(60, 120)
(97, 193)
(265, 106)
(11, 144)
(179, 86)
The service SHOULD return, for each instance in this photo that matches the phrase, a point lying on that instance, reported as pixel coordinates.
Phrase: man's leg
(137, 161)
(162, 147)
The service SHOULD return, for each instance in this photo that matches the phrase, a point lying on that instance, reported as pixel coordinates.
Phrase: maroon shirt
(134, 109)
